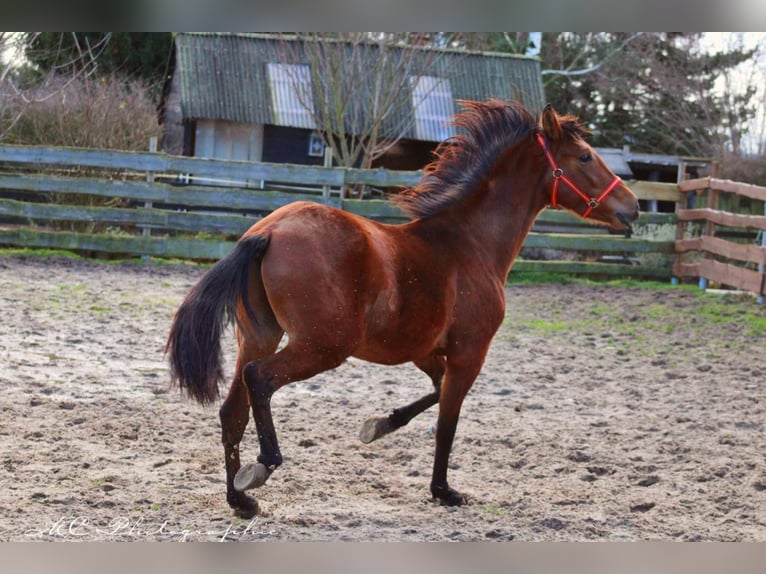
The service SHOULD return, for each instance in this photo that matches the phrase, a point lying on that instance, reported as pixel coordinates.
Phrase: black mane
(462, 161)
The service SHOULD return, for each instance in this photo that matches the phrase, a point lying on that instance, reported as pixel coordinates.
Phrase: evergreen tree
(654, 91)
(136, 55)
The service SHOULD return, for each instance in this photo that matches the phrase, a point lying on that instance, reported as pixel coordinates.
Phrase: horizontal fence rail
(709, 257)
(45, 189)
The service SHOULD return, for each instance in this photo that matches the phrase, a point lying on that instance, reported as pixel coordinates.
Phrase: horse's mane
(462, 161)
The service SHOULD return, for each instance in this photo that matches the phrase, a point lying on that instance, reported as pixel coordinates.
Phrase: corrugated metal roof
(616, 161)
(224, 76)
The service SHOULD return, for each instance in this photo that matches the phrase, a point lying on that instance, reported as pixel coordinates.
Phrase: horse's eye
(586, 157)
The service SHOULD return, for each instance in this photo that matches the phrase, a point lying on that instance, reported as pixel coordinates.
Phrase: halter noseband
(558, 175)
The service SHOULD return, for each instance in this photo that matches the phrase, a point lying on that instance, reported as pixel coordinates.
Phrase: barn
(229, 97)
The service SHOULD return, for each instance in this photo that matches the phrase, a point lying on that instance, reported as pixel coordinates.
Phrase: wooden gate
(728, 243)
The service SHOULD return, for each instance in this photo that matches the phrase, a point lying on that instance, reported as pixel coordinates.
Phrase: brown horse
(429, 291)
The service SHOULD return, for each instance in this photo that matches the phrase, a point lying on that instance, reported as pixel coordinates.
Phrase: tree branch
(591, 69)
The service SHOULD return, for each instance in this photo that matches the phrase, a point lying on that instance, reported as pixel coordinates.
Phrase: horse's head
(580, 180)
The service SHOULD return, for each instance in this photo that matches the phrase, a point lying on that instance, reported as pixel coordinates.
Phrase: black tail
(194, 347)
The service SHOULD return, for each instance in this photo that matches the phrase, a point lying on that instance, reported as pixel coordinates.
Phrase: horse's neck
(494, 223)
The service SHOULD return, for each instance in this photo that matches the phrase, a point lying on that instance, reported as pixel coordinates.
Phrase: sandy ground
(602, 413)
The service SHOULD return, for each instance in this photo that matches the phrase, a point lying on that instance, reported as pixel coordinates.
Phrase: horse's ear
(550, 123)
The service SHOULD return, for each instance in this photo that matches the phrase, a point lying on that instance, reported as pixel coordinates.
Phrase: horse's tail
(193, 346)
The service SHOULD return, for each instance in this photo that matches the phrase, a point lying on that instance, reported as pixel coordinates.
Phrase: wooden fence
(109, 198)
(722, 252)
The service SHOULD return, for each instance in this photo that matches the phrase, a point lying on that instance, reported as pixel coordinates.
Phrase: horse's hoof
(246, 507)
(374, 428)
(251, 476)
(451, 497)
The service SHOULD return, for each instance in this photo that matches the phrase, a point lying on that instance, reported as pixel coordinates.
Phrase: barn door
(230, 140)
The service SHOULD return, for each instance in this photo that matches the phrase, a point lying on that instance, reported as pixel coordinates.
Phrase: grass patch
(544, 278)
(72, 288)
(132, 260)
(739, 311)
(640, 326)
(546, 326)
(98, 310)
(541, 278)
(43, 253)
(494, 510)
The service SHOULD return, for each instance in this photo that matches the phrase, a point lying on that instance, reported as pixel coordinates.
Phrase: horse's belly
(404, 341)
(394, 353)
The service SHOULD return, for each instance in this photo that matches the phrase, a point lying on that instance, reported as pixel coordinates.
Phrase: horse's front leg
(376, 427)
(457, 381)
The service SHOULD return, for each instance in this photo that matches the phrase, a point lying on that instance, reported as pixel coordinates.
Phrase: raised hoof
(251, 476)
(374, 428)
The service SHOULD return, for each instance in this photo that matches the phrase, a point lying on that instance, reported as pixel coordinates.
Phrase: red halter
(558, 175)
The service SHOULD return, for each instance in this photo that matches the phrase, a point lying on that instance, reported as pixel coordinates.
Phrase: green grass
(15, 252)
(736, 310)
(545, 326)
(538, 278)
(639, 327)
(72, 288)
(99, 310)
(135, 260)
(494, 510)
(543, 278)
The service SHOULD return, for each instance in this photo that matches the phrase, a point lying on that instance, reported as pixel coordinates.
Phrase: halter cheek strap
(559, 176)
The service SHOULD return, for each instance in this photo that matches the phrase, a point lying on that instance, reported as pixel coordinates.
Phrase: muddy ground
(602, 413)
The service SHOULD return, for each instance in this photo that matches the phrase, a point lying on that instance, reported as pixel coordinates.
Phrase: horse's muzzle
(626, 221)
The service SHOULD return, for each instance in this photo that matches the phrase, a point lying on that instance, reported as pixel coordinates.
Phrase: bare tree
(571, 68)
(744, 122)
(357, 88)
(742, 88)
(14, 98)
(11, 51)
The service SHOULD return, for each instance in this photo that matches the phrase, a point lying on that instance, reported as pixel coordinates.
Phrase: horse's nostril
(630, 215)
(626, 222)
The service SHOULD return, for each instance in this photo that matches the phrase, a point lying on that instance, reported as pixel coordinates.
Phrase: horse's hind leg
(234, 415)
(376, 427)
(263, 378)
(254, 342)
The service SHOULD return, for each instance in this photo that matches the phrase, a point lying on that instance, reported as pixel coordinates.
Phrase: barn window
(290, 86)
(434, 107)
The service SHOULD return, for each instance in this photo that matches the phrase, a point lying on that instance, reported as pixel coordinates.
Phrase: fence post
(146, 231)
(712, 203)
(326, 191)
(762, 265)
(680, 232)
(680, 225)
